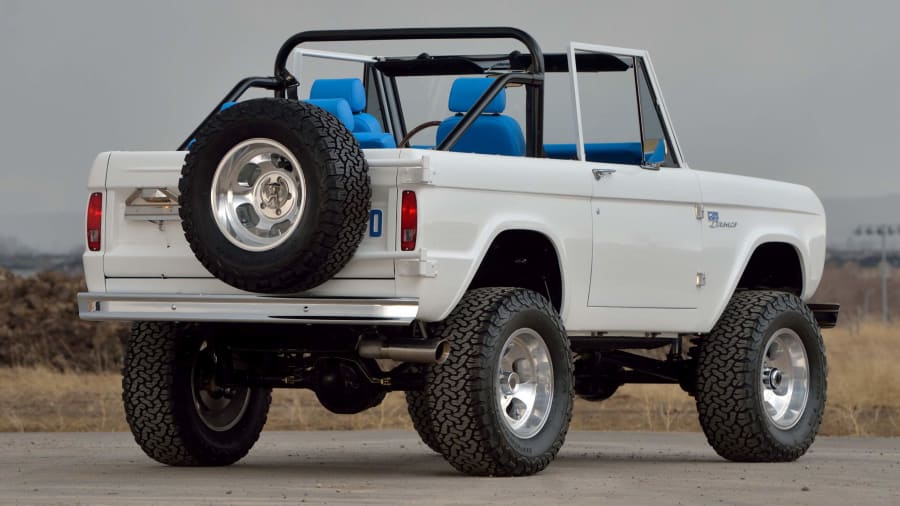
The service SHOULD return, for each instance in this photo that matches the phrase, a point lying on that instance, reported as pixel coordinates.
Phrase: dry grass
(42, 399)
(864, 380)
(863, 398)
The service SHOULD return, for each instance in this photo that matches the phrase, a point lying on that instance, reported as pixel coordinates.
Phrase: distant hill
(24, 261)
(846, 214)
(48, 232)
(26, 265)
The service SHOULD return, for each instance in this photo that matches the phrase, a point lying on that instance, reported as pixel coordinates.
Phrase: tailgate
(143, 236)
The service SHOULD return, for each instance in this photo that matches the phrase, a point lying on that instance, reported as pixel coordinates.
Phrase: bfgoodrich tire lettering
(466, 419)
(332, 192)
(731, 379)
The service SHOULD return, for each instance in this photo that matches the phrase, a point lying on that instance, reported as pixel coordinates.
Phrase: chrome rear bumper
(245, 308)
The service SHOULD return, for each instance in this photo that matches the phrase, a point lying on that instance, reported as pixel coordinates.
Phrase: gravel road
(372, 467)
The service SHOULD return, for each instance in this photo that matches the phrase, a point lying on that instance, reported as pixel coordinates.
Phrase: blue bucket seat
(492, 133)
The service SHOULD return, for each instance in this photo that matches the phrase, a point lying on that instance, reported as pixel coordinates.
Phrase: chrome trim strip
(388, 255)
(407, 163)
(245, 308)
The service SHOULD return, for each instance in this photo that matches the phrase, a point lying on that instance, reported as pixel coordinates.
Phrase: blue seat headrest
(336, 106)
(467, 90)
(350, 89)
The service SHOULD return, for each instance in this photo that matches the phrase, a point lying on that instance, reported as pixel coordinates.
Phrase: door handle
(599, 173)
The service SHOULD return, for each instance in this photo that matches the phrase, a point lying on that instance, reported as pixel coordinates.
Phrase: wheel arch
(750, 274)
(523, 258)
(497, 242)
(773, 265)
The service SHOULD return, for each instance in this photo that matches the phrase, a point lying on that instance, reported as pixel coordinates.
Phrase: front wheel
(177, 412)
(761, 379)
(502, 402)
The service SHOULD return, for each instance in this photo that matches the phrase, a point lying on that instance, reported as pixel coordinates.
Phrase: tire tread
(459, 390)
(148, 377)
(730, 415)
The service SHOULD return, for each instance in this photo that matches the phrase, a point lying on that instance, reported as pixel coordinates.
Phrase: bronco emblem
(714, 222)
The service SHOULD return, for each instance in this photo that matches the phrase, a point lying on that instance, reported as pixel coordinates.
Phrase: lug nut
(772, 378)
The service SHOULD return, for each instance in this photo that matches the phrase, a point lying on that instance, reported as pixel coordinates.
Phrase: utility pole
(884, 276)
(883, 231)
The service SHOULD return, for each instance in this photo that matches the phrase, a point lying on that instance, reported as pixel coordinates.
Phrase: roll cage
(516, 67)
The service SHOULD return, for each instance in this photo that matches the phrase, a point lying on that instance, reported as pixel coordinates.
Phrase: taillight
(94, 221)
(409, 225)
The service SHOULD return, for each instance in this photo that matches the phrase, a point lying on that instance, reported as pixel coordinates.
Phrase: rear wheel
(502, 402)
(761, 379)
(420, 412)
(177, 412)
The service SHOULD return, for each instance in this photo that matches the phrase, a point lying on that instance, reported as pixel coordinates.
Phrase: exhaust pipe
(432, 351)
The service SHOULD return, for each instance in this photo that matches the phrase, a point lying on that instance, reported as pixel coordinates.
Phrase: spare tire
(275, 196)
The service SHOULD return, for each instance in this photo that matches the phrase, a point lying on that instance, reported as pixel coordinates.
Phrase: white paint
(630, 268)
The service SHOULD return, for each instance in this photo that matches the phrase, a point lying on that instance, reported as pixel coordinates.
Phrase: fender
(486, 239)
(457, 267)
(745, 253)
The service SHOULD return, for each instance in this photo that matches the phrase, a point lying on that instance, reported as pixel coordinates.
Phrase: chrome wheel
(219, 408)
(785, 379)
(524, 388)
(258, 194)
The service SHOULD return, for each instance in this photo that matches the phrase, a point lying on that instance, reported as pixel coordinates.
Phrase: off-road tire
(338, 195)
(159, 407)
(465, 417)
(421, 415)
(729, 393)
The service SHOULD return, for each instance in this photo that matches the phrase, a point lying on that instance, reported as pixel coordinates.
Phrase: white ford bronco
(493, 234)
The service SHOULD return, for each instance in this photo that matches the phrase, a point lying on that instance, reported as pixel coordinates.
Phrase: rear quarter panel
(473, 198)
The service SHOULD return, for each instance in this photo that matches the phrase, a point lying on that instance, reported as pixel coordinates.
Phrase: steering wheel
(404, 142)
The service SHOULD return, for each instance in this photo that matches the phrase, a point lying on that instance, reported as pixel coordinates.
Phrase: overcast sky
(807, 92)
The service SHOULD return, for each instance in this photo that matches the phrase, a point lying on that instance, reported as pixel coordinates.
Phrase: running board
(245, 308)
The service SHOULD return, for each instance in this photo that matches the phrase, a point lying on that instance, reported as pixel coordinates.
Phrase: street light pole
(884, 231)
(884, 277)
